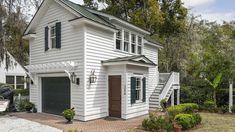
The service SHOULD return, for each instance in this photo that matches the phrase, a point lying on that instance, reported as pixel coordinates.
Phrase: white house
(15, 75)
(97, 63)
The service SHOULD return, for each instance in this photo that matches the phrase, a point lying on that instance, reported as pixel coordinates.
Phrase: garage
(55, 94)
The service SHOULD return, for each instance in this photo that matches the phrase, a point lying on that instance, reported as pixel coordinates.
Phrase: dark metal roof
(85, 13)
(131, 59)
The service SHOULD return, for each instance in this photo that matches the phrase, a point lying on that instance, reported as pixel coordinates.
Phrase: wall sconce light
(73, 77)
(93, 77)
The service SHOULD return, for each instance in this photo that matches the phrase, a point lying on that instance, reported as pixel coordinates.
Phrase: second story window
(126, 41)
(53, 36)
(133, 43)
(119, 40)
(139, 45)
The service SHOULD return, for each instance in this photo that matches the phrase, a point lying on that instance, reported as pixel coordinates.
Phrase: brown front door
(115, 96)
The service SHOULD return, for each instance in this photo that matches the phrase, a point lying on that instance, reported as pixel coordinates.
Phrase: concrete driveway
(15, 124)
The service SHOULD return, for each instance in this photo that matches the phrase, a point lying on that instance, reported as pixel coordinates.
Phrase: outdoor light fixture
(73, 77)
(93, 77)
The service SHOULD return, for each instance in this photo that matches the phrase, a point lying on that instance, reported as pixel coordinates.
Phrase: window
(126, 41)
(53, 36)
(139, 45)
(119, 40)
(133, 43)
(10, 80)
(19, 82)
(138, 88)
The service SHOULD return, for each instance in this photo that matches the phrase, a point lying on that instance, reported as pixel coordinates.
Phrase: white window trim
(141, 89)
(50, 37)
(115, 36)
(15, 83)
(130, 42)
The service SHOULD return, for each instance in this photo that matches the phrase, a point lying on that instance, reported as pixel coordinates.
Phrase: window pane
(137, 95)
(126, 36)
(19, 80)
(53, 31)
(53, 43)
(133, 38)
(10, 80)
(119, 34)
(139, 50)
(139, 40)
(126, 46)
(132, 48)
(118, 44)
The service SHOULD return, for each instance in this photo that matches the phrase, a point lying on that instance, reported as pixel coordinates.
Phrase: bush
(185, 120)
(209, 106)
(163, 104)
(224, 109)
(182, 108)
(69, 114)
(198, 119)
(29, 106)
(233, 109)
(157, 123)
(23, 92)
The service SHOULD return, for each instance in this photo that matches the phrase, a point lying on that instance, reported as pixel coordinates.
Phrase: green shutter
(144, 89)
(46, 38)
(58, 35)
(133, 90)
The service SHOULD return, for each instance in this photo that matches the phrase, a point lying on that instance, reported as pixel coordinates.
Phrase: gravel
(14, 124)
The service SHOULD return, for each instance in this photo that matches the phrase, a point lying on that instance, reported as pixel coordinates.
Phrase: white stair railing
(173, 79)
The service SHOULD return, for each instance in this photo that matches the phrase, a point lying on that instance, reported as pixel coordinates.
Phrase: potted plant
(69, 114)
(177, 127)
(29, 106)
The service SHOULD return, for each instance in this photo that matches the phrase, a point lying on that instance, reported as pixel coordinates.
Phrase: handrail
(167, 86)
(166, 82)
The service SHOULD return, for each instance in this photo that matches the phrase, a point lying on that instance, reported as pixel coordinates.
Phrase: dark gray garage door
(55, 94)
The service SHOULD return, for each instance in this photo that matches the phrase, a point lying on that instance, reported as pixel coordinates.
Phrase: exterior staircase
(167, 83)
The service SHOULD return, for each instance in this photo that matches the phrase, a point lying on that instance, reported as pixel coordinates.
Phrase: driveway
(99, 125)
(15, 124)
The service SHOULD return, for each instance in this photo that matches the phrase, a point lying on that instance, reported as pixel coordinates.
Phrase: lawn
(212, 122)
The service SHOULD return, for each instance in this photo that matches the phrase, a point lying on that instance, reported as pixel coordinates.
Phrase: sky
(212, 10)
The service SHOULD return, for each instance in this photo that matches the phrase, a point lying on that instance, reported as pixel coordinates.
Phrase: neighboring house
(15, 75)
(97, 63)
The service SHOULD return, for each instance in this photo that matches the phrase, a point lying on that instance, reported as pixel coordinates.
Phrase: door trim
(120, 94)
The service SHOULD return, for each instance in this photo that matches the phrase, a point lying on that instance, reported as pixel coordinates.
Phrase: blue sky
(212, 10)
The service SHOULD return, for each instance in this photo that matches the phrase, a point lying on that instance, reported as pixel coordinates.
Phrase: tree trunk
(214, 96)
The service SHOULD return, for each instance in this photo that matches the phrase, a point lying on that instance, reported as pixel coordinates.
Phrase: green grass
(212, 122)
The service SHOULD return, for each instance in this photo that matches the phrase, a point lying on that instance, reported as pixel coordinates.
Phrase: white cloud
(219, 16)
(196, 3)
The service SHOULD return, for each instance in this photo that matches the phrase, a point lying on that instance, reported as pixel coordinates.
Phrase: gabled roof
(136, 59)
(85, 13)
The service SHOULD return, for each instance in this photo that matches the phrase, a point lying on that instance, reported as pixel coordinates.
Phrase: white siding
(15, 69)
(151, 52)
(139, 108)
(100, 46)
(72, 40)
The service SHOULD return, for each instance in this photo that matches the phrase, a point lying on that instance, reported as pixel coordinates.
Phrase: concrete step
(154, 99)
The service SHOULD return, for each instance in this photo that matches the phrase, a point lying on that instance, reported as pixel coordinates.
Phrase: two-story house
(95, 62)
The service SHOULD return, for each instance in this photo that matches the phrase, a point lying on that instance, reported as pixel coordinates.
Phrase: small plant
(157, 123)
(187, 108)
(29, 106)
(209, 105)
(163, 104)
(69, 114)
(224, 109)
(188, 120)
(233, 109)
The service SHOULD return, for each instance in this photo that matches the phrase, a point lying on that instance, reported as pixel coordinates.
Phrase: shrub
(182, 108)
(163, 104)
(69, 114)
(23, 92)
(29, 106)
(197, 117)
(157, 123)
(209, 106)
(185, 120)
(233, 109)
(224, 108)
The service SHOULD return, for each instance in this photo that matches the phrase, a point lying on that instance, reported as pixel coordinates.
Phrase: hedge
(188, 120)
(23, 92)
(186, 108)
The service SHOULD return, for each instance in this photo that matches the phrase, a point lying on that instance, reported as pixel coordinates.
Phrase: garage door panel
(55, 94)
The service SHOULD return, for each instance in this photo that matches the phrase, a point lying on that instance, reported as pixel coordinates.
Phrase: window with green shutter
(53, 36)
(138, 89)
